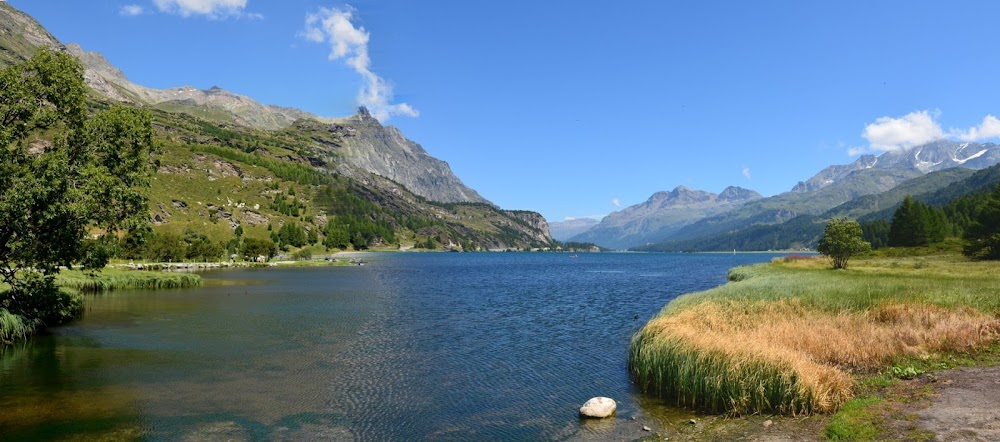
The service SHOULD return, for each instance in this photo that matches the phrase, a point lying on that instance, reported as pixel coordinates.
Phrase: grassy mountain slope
(980, 181)
(214, 177)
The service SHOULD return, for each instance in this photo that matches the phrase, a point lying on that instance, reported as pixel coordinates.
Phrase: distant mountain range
(661, 215)
(564, 230)
(857, 183)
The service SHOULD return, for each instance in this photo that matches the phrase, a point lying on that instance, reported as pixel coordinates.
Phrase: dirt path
(965, 406)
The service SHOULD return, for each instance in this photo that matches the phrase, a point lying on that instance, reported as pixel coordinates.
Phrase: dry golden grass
(742, 348)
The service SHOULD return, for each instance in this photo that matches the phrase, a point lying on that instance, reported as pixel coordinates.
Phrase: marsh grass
(788, 336)
(13, 327)
(114, 279)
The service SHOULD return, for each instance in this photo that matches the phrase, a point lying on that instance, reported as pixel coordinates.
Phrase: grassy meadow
(792, 336)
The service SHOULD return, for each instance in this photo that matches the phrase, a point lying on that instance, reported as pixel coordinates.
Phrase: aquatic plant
(14, 327)
(109, 279)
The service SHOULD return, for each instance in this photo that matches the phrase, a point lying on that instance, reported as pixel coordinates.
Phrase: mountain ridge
(663, 213)
(373, 148)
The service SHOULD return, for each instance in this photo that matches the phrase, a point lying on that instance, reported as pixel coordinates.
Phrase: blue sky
(575, 108)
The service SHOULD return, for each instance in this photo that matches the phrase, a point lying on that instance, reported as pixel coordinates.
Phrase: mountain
(836, 185)
(663, 214)
(220, 168)
(20, 34)
(930, 157)
(213, 104)
(564, 230)
(367, 147)
(363, 145)
(803, 231)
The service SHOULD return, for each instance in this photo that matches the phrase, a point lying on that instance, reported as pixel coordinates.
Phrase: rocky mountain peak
(930, 157)
(684, 194)
(736, 193)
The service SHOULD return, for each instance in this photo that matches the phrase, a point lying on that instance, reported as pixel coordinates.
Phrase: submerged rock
(598, 407)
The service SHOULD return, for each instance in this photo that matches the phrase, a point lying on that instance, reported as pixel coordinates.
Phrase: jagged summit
(930, 157)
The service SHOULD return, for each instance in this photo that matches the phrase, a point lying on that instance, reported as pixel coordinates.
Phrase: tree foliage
(841, 240)
(916, 224)
(876, 232)
(62, 173)
(254, 247)
(983, 234)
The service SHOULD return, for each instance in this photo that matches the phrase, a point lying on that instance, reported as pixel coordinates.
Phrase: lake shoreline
(896, 286)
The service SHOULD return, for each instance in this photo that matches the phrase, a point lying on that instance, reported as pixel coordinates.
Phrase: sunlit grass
(787, 336)
(113, 279)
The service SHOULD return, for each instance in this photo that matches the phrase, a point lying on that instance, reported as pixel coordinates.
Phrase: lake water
(434, 346)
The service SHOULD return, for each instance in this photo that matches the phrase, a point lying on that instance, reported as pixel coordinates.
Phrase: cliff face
(359, 145)
(538, 228)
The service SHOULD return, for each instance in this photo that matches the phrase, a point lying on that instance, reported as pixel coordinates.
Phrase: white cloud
(616, 202)
(131, 10)
(990, 128)
(350, 43)
(857, 151)
(746, 172)
(892, 134)
(214, 9)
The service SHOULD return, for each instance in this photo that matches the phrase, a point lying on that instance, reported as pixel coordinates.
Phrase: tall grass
(110, 279)
(786, 337)
(13, 327)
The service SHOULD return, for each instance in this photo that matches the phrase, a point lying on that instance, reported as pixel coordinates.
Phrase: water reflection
(429, 346)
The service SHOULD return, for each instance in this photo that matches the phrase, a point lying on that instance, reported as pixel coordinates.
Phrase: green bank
(795, 337)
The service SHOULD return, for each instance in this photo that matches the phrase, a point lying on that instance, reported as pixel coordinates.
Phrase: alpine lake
(411, 346)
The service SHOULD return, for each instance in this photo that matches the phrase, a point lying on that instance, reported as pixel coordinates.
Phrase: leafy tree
(166, 247)
(983, 234)
(200, 248)
(841, 240)
(133, 244)
(62, 172)
(254, 247)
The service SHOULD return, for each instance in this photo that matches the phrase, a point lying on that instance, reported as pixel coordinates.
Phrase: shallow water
(440, 346)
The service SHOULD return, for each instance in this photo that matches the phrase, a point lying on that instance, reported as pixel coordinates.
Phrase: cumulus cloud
(131, 10)
(892, 134)
(889, 134)
(990, 128)
(350, 43)
(214, 9)
(616, 202)
(746, 172)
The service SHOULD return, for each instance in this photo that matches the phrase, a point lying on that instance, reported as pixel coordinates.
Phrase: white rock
(599, 407)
